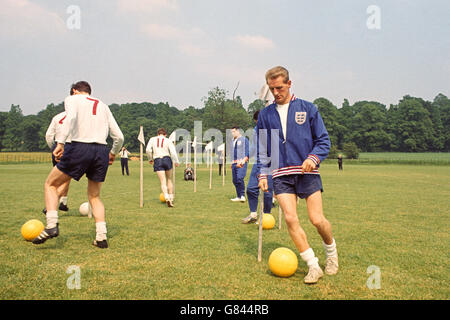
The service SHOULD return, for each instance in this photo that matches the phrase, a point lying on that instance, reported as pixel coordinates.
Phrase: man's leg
(268, 196)
(122, 165)
(98, 211)
(241, 173)
(63, 190)
(168, 176)
(126, 166)
(54, 181)
(252, 196)
(323, 226)
(288, 203)
(162, 179)
(235, 181)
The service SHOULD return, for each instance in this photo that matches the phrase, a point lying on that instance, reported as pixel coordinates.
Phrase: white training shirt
(283, 112)
(89, 120)
(54, 130)
(159, 147)
(124, 154)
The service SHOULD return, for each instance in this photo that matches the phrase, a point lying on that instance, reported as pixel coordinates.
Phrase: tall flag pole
(141, 148)
(194, 145)
(209, 149)
(173, 138)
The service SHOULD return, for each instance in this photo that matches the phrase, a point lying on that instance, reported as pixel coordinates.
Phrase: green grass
(419, 158)
(395, 217)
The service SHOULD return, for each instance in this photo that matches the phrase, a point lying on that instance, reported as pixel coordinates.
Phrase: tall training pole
(210, 169)
(260, 232)
(280, 213)
(223, 163)
(141, 182)
(195, 167)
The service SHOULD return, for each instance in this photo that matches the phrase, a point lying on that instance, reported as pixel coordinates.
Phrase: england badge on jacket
(300, 117)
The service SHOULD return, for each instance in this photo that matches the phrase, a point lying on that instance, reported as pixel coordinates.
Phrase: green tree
(255, 106)
(12, 139)
(415, 128)
(351, 150)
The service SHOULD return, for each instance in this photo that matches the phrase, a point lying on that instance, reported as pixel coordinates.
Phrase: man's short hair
(255, 115)
(276, 72)
(81, 86)
(235, 128)
(161, 131)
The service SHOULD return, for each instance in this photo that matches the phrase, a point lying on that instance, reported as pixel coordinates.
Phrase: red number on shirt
(94, 109)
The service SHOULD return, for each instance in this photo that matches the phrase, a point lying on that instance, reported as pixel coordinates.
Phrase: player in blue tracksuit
(292, 141)
(252, 185)
(240, 152)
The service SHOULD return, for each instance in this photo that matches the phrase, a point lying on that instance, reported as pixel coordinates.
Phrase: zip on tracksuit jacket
(306, 137)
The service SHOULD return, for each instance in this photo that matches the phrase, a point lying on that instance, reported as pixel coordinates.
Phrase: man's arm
(50, 134)
(321, 143)
(149, 150)
(173, 152)
(115, 133)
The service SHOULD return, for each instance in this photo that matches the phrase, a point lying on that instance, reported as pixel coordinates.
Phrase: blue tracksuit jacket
(306, 137)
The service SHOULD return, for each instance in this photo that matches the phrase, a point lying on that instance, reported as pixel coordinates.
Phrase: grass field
(395, 217)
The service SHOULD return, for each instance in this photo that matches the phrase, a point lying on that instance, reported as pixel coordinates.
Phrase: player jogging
(240, 152)
(161, 151)
(88, 121)
(292, 142)
(52, 135)
(252, 185)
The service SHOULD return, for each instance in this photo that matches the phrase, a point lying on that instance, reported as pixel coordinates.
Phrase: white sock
(101, 231)
(330, 249)
(309, 257)
(63, 200)
(171, 196)
(52, 218)
(254, 214)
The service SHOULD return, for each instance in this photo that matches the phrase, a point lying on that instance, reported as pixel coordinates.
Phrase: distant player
(252, 185)
(124, 153)
(161, 151)
(240, 153)
(88, 121)
(296, 128)
(52, 135)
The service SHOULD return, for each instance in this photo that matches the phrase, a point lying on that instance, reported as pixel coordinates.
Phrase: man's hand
(58, 152)
(263, 185)
(308, 166)
(112, 157)
(151, 162)
(177, 164)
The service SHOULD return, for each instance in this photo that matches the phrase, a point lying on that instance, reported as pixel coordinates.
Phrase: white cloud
(24, 18)
(146, 6)
(254, 42)
(162, 31)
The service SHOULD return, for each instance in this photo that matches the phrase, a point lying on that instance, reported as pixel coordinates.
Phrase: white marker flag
(173, 136)
(209, 146)
(141, 136)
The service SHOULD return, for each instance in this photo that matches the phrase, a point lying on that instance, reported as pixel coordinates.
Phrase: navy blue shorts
(67, 145)
(301, 185)
(85, 158)
(162, 164)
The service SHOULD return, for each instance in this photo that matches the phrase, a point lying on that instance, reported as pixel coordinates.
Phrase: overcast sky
(175, 51)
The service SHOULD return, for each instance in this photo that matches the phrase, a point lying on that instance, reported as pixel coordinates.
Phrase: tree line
(412, 125)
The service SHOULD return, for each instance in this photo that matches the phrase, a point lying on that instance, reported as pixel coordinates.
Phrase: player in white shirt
(51, 136)
(88, 121)
(161, 151)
